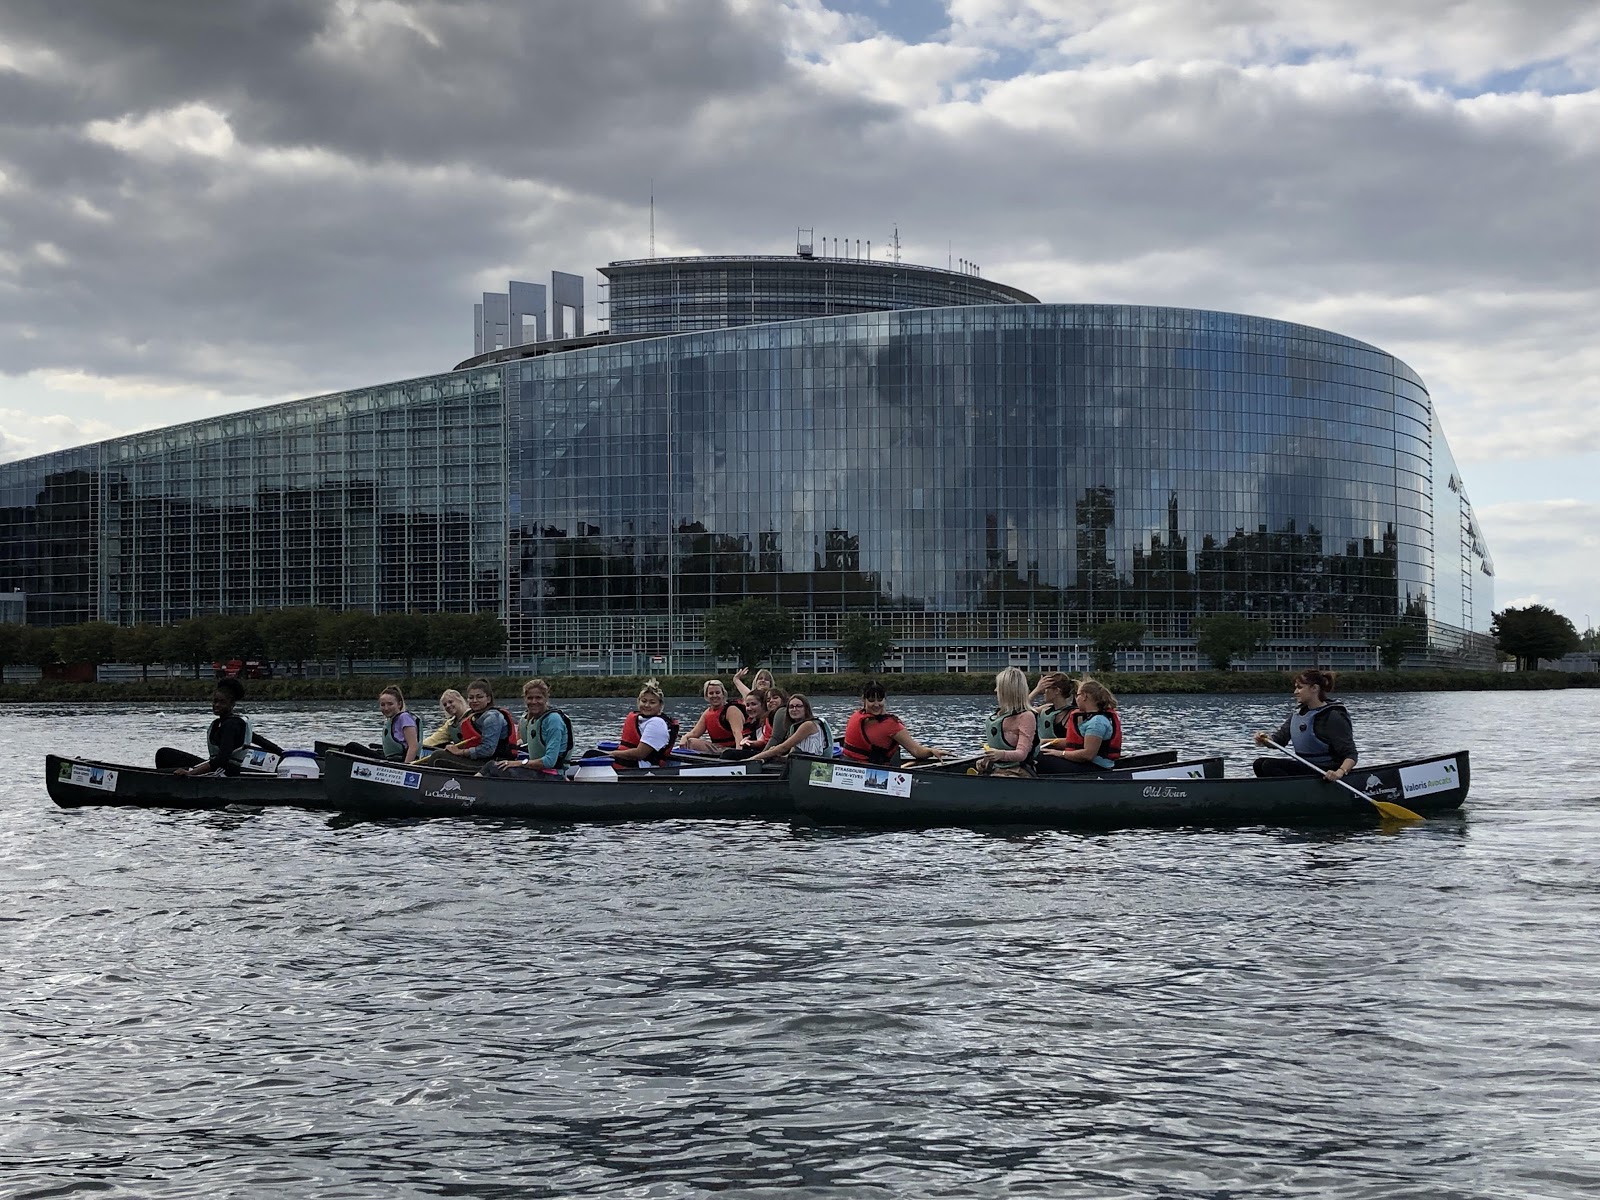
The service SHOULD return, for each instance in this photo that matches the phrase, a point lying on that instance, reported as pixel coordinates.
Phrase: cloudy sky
(207, 206)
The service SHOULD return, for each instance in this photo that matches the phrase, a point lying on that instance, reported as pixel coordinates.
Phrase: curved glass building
(989, 481)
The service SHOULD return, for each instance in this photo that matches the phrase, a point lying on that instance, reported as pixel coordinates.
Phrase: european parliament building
(986, 476)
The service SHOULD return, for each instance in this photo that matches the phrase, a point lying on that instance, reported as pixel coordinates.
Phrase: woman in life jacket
(875, 735)
(757, 725)
(721, 725)
(487, 733)
(1009, 742)
(228, 739)
(1055, 691)
(1093, 737)
(807, 733)
(647, 732)
(400, 731)
(454, 707)
(1318, 729)
(544, 737)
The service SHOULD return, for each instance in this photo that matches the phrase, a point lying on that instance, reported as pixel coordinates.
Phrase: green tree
(751, 631)
(465, 636)
(92, 642)
(1323, 628)
(189, 641)
(1224, 637)
(236, 635)
(38, 647)
(141, 645)
(1531, 633)
(292, 635)
(1394, 643)
(402, 635)
(348, 635)
(1110, 637)
(10, 646)
(864, 642)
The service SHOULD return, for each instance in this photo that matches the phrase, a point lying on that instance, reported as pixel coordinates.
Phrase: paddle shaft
(1397, 812)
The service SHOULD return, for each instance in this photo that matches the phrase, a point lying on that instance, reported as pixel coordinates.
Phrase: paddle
(938, 764)
(1387, 810)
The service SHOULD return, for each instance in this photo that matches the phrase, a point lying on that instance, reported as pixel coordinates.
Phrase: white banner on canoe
(374, 773)
(1441, 775)
(83, 775)
(875, 780)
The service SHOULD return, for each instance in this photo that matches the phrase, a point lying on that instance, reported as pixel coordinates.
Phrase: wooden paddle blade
(1395, 812)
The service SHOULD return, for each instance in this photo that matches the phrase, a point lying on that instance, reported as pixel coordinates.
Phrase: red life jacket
(1073, 737)
(871, 739)
(630, 738)
(509, 744)
(717, 727)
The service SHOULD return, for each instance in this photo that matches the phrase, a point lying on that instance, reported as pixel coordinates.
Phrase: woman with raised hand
(762, 682)
(1093, 738)
(1054, 691)
(1318, 731)
(1009, 743)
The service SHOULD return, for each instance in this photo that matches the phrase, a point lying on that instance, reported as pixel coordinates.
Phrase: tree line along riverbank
(422, 691)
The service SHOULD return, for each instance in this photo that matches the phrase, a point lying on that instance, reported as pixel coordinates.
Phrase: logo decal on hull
(1442, 775)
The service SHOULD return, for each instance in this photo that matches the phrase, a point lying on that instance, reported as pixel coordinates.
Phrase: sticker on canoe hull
(1441, 775)
(373, 773)
(1191, 771)
(875, 780)
(83, 775)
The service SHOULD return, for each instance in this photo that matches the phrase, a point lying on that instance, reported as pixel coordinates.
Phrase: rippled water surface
(275, 1003)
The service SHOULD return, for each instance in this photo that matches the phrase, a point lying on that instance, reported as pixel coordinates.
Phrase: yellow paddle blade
(1396, 812)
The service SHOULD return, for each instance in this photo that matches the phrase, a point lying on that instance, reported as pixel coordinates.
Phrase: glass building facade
(989, 482)
(679, 295)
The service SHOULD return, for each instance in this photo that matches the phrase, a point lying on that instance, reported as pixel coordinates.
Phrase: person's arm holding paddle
(915, 748)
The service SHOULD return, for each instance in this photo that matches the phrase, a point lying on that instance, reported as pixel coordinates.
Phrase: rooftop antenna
(652, 216)
(897, 243)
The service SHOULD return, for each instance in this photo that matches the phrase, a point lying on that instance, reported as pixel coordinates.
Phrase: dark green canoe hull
(81, 783)
(828, 792)
(371, 789)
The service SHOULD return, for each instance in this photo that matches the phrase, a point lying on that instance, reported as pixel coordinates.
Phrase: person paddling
(875, 735)
(1319, 731)
(228, 740)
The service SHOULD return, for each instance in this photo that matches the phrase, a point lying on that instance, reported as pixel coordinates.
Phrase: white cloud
(190, 129)
(1546, 552)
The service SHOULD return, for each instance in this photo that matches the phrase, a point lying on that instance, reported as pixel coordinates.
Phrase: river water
(276, 1003)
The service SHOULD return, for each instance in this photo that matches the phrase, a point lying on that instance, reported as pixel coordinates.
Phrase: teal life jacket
(394, 747)
(533, 735)
(995, 734)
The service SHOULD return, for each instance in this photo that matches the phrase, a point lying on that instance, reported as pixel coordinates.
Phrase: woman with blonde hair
(1009, 740)
(454, 707)
(720, 726)
(1093, 737)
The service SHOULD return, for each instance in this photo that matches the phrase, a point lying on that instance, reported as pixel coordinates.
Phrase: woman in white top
(808, 733)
